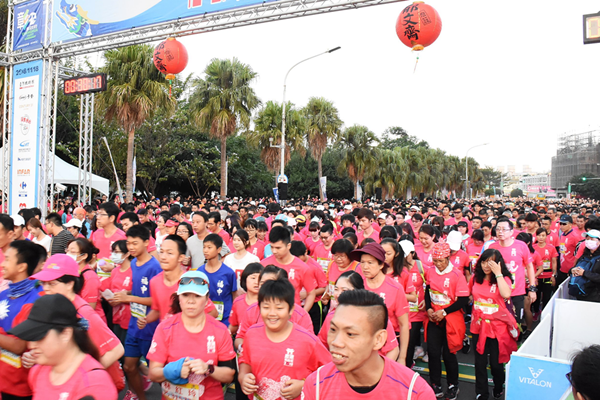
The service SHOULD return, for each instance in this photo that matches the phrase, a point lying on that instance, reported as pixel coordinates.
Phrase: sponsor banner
(78, 19)
(29, 22)
(276, 194)
(24, 173)
(532, 378)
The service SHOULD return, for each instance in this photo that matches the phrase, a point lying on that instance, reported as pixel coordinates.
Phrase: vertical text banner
(24, 173)
(29, 20)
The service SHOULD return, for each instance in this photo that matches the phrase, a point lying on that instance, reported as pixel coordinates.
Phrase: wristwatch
(209, 370)
(444, 313)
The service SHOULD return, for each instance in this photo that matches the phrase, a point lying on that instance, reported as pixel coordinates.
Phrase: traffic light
(584, 179)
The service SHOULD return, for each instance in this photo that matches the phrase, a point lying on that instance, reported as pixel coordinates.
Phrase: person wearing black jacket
(592, 273)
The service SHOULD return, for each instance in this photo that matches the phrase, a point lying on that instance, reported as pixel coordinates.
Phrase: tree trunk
(223, 167)
(130, 177)
(320, 163)
(355, 188)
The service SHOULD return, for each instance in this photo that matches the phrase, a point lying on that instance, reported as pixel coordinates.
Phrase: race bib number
(439, 299)
(414, 307)
(138, 310)
(547, 266)
(486, 308)
(220, 309)
(324, 263)
(189, 391)
(10, 358)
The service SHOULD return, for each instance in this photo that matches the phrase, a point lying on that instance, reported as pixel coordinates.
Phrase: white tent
(68, 174)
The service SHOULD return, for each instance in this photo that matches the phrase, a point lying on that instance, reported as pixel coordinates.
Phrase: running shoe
(439, 392)
(419, 352)
(452, 393)
(147, 383)
(499, 395)
(426, 358)
(130, 396)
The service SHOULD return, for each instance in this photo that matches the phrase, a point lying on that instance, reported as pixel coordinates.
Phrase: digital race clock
(85, 84)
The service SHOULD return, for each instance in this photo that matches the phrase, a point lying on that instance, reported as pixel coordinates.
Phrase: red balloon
(170, 57)
(418, 25)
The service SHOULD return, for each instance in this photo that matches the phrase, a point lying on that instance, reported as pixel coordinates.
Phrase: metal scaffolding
(578, 152)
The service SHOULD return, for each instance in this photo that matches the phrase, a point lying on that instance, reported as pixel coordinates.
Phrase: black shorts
(518, 306)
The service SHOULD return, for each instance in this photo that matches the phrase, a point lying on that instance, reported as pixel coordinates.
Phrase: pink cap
(170, 222)
(56, 266)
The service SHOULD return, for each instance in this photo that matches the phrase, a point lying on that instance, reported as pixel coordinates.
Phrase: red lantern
(418, 25)
(170, 57)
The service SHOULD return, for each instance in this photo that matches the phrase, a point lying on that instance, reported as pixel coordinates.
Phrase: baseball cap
(407, 246)
(171, 222)
(281, 217)
(454, 240)
(55, 267)
(382, 216)
(415, 208)
(592, 233)
(373, 249)
(320, 207)
(18, 220)
(49, 311)
(194, 282)
(348, 207)
(73, 222)
(566, 218)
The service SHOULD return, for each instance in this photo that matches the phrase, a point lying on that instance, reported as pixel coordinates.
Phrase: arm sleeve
(427, 298)
(457, 305)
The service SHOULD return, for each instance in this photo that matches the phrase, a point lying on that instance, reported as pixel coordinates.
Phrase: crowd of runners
(311, 300)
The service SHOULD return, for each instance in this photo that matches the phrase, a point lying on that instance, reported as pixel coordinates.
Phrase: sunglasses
(197, 281)
(562, 223)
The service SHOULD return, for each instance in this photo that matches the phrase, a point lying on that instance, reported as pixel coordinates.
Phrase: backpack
(577, 283)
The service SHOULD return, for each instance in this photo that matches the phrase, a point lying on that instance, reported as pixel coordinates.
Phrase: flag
(324, 186)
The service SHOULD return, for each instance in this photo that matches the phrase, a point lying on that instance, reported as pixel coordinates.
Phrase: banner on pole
(79, 19)
(25, 136)
(28, 25)
(276, 194)
(324, 186)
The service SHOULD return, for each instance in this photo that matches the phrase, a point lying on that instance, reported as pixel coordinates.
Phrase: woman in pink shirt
(374, 268)
(67, 361)
(427, 237)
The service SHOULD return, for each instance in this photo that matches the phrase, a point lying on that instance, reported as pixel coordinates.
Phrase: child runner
(119, 280)
(223, 289)
(250, 284)
(293, 352)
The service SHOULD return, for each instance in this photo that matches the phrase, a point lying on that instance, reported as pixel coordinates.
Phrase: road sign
(591, 28)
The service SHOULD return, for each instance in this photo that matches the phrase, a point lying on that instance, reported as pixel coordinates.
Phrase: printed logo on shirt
(144, 285)
(153, 347)
(447, 282)
(292, 274)
(211, 346)
(126, 281)
(289, 358)
(493, 288)
(414, 277)
(220, 286)
(63, 396)
(513, 252)
(4, 309)
(382, 295)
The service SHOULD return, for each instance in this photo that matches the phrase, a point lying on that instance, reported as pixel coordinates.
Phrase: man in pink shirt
(518, 260)
(322, 252)
(299, 274)
(365, 223)
(357, 371)
(568, 243)
(108, 233)
(214, 225)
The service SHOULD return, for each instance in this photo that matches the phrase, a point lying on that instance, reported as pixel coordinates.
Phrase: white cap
(415, 208)
(407, 246)
(382, 216)
(348, 207)
(253, 202)
(74, 222)
(291, 222)
(18, 220)
(454, 240)
(320, 207)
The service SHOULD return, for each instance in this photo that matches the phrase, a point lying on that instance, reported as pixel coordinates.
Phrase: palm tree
(223, 100)
(135, 90)
(267, 125)
(357, 153)
(322, 125)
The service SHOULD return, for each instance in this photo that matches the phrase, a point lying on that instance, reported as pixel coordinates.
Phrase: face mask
(116, 258)
(74, 257)
(591, 244)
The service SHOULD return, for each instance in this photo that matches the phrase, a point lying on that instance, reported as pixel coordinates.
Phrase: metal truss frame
(251, 15)
(86, 139)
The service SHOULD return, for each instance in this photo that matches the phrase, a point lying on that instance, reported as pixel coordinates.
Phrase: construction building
(578, 152)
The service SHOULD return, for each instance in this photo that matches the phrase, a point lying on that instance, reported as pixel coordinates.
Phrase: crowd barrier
(537, 370)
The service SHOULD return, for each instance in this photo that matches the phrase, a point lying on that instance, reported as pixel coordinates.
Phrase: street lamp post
(283, 104)
(467, 195)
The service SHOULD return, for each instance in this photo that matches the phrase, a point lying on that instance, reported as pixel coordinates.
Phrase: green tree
(222, 101)
(135, 90)
(357, 153)
(586, 185)
(267, 131)
(516, 193)
(396, 136)
(322, 126)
